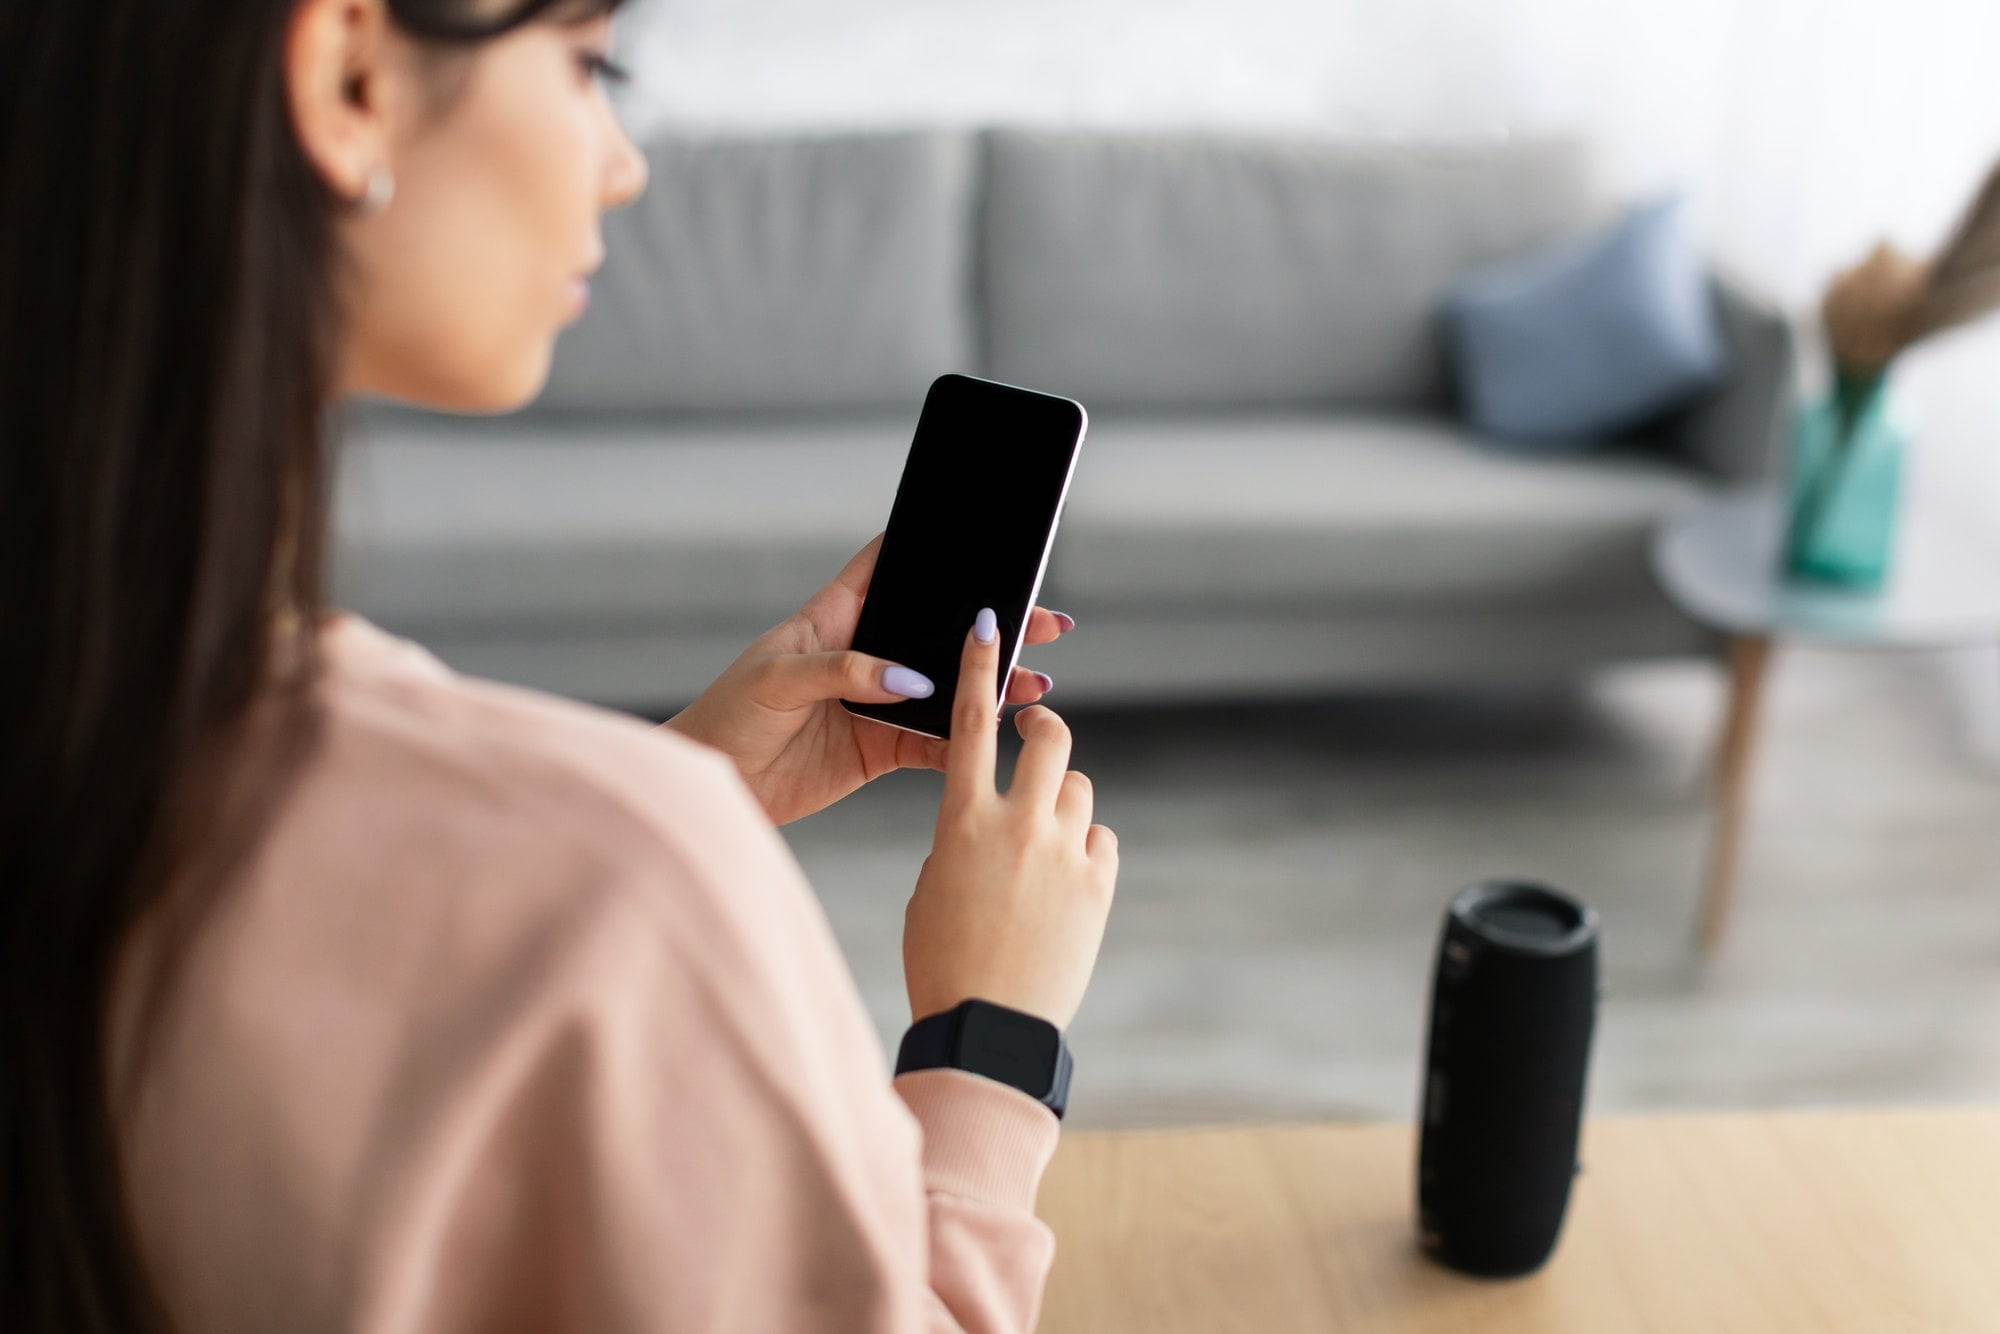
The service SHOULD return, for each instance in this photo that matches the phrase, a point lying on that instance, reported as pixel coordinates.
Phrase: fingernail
(985, 626)
(908, 684)
(1048, 682)
(1064, 621)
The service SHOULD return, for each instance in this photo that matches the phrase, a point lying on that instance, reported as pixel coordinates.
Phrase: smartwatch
(1016, 1049)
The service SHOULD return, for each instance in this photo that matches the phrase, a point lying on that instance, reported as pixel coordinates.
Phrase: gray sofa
(1275, 495)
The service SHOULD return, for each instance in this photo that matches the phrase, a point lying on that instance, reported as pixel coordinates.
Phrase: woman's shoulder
(449, 840)
(474, 908)
(385, 684)
(471, 787)
(403, 724)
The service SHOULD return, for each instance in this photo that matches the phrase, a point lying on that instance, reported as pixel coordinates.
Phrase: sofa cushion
(778, 272)
(471, 525)
(1567, 346)
(519, 526)
(1338, 510)
(1129, 269)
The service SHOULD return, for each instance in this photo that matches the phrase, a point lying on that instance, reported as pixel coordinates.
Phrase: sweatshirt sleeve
(692, 1125)
(985, 1147)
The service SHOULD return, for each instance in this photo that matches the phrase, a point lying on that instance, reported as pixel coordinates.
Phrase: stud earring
(381, 188)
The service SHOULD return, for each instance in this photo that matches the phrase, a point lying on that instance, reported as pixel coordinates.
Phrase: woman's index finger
(975, 715)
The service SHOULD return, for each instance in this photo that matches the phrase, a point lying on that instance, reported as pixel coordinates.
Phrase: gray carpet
(1285, 866)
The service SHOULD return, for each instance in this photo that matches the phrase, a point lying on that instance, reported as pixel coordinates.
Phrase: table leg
(1749, 657)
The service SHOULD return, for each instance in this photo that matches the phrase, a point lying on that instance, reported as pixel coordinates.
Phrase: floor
(1284, 868)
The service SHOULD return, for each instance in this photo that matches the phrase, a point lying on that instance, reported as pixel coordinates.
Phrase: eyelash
(605, 68)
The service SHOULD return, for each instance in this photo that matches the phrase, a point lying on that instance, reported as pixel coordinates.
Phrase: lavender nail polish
(1064, 621)
(908, 684)
(1047, 682)
(985, 626)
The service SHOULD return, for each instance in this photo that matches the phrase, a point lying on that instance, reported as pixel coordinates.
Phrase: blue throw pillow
(1568, 346)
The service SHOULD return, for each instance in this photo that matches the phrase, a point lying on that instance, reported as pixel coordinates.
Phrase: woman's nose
(625, 178)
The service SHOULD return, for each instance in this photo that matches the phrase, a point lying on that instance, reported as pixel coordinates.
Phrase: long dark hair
(168, 329)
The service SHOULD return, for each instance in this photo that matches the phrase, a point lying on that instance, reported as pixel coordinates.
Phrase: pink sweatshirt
(520, 1016)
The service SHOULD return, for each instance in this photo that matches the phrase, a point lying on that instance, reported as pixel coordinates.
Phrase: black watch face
(1015, 1049)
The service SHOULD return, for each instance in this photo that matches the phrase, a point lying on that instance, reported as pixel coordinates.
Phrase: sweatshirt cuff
(982, 1140)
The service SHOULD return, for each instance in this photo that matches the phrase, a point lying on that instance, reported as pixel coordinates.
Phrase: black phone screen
(970, 528)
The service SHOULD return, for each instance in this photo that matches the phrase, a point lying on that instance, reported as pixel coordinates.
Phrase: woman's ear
(340, 80)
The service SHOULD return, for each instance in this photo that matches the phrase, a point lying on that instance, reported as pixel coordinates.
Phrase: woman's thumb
(807, 678)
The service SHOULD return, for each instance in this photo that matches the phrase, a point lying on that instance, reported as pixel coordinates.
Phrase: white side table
(1719, 563)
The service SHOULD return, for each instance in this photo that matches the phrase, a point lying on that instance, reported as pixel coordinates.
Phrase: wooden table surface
(1872, 1222)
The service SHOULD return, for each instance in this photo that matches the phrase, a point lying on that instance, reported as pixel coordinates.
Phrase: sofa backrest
(779, 272)
(1149, 269)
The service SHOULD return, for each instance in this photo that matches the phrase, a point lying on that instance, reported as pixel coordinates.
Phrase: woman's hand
(1012, 901)
(777, 712)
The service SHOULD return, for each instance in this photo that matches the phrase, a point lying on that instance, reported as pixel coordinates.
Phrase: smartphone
(972, 526)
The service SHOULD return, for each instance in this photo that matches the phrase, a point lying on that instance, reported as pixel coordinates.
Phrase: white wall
(1802, 129)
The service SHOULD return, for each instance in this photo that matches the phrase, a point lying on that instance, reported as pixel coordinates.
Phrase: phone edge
(1041, 569)
(1048, 546)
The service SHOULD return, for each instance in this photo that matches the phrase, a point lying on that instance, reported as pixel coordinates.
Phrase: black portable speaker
(1512, 1006)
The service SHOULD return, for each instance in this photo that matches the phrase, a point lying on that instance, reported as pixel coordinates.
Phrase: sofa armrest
(1738, 432)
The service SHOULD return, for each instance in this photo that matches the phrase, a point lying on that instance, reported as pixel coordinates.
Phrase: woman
(341, 993)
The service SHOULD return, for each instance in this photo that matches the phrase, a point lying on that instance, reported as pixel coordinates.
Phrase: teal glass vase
(1846, 480)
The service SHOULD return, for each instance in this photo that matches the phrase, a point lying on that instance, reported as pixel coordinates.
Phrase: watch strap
(936, 1042)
